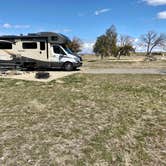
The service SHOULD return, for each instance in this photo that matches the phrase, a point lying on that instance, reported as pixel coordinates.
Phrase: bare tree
(125, 47)
(152, 40)
(75, 45)
(125, 40)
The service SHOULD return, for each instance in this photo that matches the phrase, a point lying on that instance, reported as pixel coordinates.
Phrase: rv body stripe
(10, 53)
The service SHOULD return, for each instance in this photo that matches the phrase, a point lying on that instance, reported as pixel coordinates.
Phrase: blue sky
(85, 19)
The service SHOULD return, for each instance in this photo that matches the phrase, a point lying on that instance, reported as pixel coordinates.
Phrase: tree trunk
(150, 52)
(118, 55)
(148, 47)
(102, 57)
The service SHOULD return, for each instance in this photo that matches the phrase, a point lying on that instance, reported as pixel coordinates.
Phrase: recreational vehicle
(38, 50)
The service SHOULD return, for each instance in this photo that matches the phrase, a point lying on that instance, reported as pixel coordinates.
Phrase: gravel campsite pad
(30, 76)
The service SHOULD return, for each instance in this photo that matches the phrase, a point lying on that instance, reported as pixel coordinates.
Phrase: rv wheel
(68, 66)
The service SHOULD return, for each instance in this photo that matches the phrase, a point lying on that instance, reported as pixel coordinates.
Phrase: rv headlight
(80, 58)
(77, 59)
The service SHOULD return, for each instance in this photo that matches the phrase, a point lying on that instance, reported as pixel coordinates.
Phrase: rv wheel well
(67, 63)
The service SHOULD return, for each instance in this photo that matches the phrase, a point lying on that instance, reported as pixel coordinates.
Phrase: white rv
(38, 50)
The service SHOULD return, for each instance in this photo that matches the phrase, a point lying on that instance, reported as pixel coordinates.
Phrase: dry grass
(84, 120)
(125, 62)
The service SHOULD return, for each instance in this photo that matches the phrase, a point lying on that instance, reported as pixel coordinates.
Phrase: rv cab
(63, 56)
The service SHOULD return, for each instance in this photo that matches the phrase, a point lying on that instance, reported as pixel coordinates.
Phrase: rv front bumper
(79, 64)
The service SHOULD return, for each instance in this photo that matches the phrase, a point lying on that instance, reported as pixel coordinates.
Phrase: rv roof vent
(32, 34)
(46, 33)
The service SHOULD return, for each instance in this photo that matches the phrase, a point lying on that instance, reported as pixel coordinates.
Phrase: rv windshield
(68, 50)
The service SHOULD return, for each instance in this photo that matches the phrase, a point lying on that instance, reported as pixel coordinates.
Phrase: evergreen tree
(102, 46)
(112, 35)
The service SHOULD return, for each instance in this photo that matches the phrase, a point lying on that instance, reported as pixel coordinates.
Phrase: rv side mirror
(61, 56)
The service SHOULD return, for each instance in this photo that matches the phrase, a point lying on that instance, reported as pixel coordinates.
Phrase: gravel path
(125, 71)
(60, 74)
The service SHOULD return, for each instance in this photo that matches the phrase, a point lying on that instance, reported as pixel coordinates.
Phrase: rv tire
(68, 66)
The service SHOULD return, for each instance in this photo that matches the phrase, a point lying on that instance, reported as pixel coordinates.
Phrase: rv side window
(5, 45)
(42, 45)
(58, 50)
(30, 45)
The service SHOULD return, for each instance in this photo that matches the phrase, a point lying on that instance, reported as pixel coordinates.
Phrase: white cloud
(98, 12)
(81, 14)
(87, 47)
(8, 26)
(136, 40)
(161, 15)
(66, 30)
(138, 47)
(21, 26)
(155, 2)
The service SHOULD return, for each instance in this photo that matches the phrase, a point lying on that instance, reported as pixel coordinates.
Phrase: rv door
(57, 54)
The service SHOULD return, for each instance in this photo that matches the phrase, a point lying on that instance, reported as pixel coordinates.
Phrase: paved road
(125, 71)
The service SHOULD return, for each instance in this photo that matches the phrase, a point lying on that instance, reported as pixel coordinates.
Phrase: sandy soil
(30, 76)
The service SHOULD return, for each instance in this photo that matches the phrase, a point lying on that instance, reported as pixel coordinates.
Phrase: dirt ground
(30, 76)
